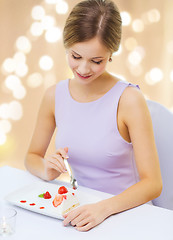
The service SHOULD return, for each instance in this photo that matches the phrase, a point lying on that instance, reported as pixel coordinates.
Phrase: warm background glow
(32, 58)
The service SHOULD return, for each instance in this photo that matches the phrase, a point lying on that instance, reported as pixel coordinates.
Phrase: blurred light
(21, 69)
(138, 25)
(36, 29)
(4, 111)
(38, 12)
(154, 76)
(35, 80)
(136, 70)
(134, 58)
(118, 52)
(48, 22)
(12, 81)
(19, 57)
(126, 18)
(130, 43)
(15, 110)
(140, 50)
(53, 34)
(49, 80)
(3, 138)
(153, 15)
(19, 92)
(170, 47)
(46, 63)
(61, 7)
(8, 65)
(5, 126)
(171, 75)
(23, 44)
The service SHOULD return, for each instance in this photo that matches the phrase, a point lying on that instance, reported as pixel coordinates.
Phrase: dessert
(65, 200)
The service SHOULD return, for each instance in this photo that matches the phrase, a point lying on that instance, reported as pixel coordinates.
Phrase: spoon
(72, 179)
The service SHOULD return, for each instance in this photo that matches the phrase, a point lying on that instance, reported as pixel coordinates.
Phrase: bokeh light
(34, 80)
(15, 110)
(126, 18)
(23, 44)
(38, 12)
(53, 34)
(12, 110)
(12, 81)
(48, 22)
(138, 25)
(8, 65)
(19, 57)
(5, 126)
(36, 29)
(153, 15)
(19, 92)
(154, 76)
(130, 43)
(21, 69)
(61, 7)
(3, 138)
(46, 63)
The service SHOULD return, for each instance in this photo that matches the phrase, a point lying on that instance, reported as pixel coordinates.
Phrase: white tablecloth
(145, 222)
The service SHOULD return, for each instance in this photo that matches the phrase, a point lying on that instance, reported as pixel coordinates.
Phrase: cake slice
(65, 200)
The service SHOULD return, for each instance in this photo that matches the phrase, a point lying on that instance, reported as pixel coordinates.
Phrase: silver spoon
(72, 179)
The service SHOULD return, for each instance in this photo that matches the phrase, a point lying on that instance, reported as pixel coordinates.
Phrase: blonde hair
(91, 18)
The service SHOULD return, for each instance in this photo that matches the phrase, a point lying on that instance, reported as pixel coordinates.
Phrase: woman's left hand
(86, 217)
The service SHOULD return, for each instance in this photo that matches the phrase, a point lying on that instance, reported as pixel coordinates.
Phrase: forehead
(90, 49)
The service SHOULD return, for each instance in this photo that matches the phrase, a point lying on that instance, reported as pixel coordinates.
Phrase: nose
(84, 68)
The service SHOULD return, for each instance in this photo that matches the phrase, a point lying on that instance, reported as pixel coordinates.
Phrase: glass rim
(13, 214)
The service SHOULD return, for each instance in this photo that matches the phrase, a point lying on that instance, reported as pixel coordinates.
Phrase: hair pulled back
(91, 18)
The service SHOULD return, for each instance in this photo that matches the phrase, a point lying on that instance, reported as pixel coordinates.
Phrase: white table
(145, 222)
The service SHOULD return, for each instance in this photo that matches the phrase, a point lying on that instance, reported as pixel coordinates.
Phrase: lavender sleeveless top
(99, 157)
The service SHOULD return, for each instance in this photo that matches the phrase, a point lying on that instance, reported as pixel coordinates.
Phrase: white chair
(162, 120)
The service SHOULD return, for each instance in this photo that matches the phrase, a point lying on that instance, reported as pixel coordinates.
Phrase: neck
(93, 90)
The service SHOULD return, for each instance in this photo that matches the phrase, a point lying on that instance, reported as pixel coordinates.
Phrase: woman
(103, 124)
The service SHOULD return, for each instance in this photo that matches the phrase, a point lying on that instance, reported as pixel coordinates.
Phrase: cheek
(100, 68)
(72, 64)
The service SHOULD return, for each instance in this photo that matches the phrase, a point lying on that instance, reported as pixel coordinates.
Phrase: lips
(83, 77)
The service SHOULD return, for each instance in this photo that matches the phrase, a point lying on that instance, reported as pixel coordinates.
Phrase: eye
(75, 57)
(97, 62)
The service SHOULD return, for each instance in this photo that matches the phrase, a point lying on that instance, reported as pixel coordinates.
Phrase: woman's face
(88, 60)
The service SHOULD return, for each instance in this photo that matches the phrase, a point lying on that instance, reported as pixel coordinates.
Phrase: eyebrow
(91, 58)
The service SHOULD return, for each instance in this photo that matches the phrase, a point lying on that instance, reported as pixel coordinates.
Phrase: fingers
(85, 217)
(56, 162)
(63, 152)
(80, 221)
(72, 217)
(66, 149)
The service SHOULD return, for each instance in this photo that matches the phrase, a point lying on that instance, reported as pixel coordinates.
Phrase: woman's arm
(135, 117)
(51, 167)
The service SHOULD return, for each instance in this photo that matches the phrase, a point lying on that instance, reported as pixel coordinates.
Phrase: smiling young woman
(103, 123)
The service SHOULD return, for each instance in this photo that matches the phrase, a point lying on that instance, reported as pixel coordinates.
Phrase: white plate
(30, 195)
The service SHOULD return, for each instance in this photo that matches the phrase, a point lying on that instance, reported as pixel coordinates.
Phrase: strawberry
(62, 190)
(47, 195)
(57, 200)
